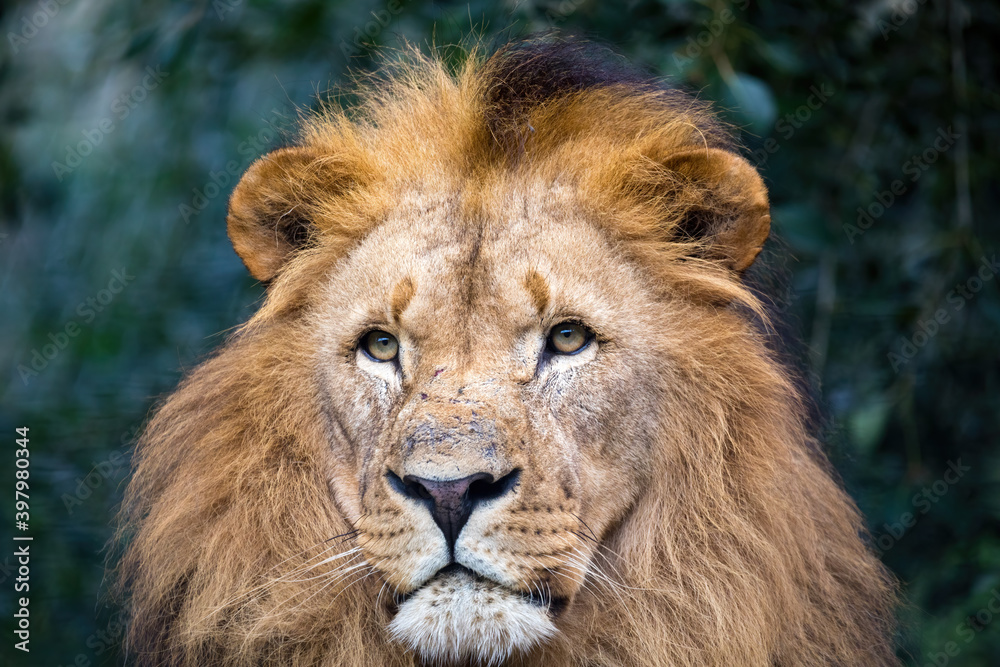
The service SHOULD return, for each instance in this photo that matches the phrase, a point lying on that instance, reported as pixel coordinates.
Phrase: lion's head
(507, 400)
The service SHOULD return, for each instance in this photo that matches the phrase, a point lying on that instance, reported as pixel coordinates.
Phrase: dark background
(99, 158)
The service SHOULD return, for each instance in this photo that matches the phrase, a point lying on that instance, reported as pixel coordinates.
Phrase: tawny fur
(721, 537)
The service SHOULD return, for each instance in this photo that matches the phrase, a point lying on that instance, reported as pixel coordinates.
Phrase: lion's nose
(452, 501)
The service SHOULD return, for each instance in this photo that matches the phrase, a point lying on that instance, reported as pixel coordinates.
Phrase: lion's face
(507, 401)
(499, 421)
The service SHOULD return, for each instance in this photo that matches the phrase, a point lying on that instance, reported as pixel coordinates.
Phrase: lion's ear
(269, 211)
(732, 217)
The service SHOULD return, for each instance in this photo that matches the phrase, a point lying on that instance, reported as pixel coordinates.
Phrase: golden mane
(751, 555)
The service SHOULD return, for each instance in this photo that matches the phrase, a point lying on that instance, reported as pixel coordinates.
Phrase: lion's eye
(380, 345)
(568, 338)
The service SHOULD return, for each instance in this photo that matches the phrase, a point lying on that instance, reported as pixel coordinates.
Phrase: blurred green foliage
(875, 124)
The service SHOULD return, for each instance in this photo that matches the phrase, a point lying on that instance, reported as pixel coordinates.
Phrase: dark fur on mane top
(522, 76)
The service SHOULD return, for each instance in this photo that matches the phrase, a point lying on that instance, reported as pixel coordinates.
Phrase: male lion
(507, 402)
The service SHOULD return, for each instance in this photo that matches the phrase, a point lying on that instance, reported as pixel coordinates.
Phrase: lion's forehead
(486, 256)
(521, 226)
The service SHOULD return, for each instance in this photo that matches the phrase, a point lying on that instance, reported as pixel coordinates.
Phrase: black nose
(452, 501)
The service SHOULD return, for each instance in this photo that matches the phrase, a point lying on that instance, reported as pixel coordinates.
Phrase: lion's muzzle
(459, 617)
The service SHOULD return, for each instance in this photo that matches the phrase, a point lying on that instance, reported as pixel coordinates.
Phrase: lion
(509, 400)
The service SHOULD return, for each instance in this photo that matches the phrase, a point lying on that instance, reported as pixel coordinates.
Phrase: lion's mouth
(542, 597)
(459, 615)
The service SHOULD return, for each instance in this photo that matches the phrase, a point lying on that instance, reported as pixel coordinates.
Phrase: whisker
(592, 537)
(339, 570)
(354, 551)
(349, 534)
(286, 577)
(327, 585)
(378, 598)
(607, 578)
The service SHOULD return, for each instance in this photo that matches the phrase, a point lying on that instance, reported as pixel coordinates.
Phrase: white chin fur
(456, 618)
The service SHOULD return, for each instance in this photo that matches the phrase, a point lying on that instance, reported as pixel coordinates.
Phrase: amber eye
(568, 338)
(380, 345)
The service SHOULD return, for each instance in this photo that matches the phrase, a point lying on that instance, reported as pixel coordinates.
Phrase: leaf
(867, 425)
(753, 100)
(801, 225)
